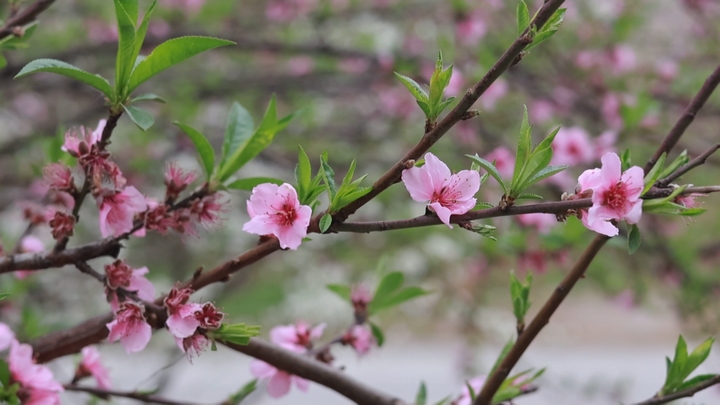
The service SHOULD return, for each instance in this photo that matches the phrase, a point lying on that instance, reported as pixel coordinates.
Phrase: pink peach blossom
(572, 147)
(58, 176)
(117, 211)
(297, 337)
(622, 59)
(130, 327)
(120, 275)
(279, 381)
(7, 336)
(276, 210)
(447, 194)
(543, 222)
(476, 384)
(37, 384)
(360, 338)
(471, 28)
(616, 195)
(90, 365)
(181, 322)
(177, 179)
(192, 345)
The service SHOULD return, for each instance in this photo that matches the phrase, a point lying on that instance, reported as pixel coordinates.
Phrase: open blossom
(90, 365)
(616, 195)
(130, 327)
(279, 381)
(120, 275)
(276, 210)
(118, 210)
(58, 176)
(37, 384)
(447, 194)
(192, 345)
(181, 321)
(208, 316)
(360, 338)
(297, 337)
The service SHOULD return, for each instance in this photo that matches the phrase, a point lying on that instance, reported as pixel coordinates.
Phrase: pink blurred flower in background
(360, 338)
(471, 28)
(279, 381)
(456, 86)
(354, 65)
(493, 94)
(300, 65)
(397, 102)
(541, 111)
(288, 10)
(572, 147)
(605, 143)
(276, 210)
(7, 336)
(29, 244)
(623, 59)
(667, 69)
(298, 336)
(504, 161)
(542, 222)
(90, 365)
(610, 109)
(446, 193)
(37, 384)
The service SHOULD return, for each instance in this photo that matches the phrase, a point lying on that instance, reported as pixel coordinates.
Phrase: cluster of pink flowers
(615, 195)
(297, 338)
(37, 384)
(276, 210)
(188, 322)
(446, 193)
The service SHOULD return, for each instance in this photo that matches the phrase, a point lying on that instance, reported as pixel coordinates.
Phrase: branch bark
(316, 371)
(26, 16)
(663, 399)
(105, 394)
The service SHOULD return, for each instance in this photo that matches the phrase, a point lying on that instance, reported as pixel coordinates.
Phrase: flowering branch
(663, 399)
(50, 259)
(501, 372)
(316, 371)
(26, 16)
(105, 394)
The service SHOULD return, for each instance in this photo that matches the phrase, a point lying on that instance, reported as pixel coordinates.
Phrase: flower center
(286, 215)
(616, 197)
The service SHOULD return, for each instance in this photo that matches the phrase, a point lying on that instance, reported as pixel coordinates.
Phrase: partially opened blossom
(360, 298)
(37, 384)
(278, 381)
(208, 316)
(476, 384)
(62, 225)
(120, 275)
(58, 176)
(208, 210)
(177, 179)
(298, 337)
(616, 195)
(7, 336)
(117, 211)
(360, 338)
(276, 210)
(181, 321)
(192, 345)
(79, 141)
(90, 365)
(130, 327)
(446, 193)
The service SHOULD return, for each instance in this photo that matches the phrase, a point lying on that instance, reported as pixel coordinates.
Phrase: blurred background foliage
(614, 69)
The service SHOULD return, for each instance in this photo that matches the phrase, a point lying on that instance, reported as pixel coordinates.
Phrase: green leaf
(131, 8)
(679, 161)
(140, 33)
(483, 205)
(342, 291)
(4, 373)
(539, 160)
(251, 182)
(140, 117)
(652, 176)
(148, 97)
(549, 29)
(325, 223)
(691, 212)
(261, 139)
(523, 17)
(505, 350)
(421, 396)
(170, 53)
(303, 175)
(68, 70)
(328, 176)
(661, 201)
(202, 145)
(3, 61)
(3, 296)
(544, 173)
(697, 380)
(529, 196)
(626, 160)
(404, 295)
(388, 285)
(491, 169)
(238, 131)
(242, 393)
(471, 391)
(126, 47)
(378, 334)
(698, 356)
(414, 88)
(633, 239)
(438, 82)
(524, 148)
(238, 333)
(675, 373)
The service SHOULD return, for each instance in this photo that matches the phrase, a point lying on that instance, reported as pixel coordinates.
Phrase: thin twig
(538, 323)
(687, 117)
(663, 399)
(26, 16)
(316, 371)
(689, 166)
(85, 268)
(144, 398)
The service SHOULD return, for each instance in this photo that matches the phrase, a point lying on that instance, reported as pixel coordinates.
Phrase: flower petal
(279, 384)
(418, 184)
(442, 213)
(611, 169)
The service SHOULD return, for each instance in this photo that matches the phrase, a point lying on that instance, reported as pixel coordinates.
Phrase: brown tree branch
(144, 398)
(663, 399)
(51, 259)
(311, 369)
(26, 16)
(687, 117)
(538, 323)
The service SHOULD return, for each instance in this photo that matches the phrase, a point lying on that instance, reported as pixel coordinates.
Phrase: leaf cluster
(683, 364)
(431, 102)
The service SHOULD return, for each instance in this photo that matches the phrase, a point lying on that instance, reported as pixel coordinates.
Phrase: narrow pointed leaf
(340, 290)
(239, 128)
(378, 334)
(491, 169)
(652, 176)
(421, 397)
(523, 17)
(68, 70)
(203, 147)
(633, 239)
(126, 46)
(140, 117)
(388, 285)
(325, 223)
(170, 53)
(148, 97)
(545, 173)
(251, 182)
(413, 87)
(141, 31)
(131, 8)
(402, 296)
